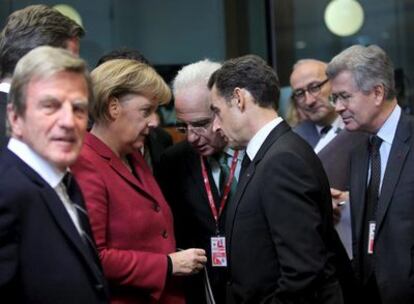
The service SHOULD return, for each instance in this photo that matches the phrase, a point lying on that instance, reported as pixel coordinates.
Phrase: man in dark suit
(187, 166)
(47, 252)
(381, 188)
(324, 131)
(310, 93)
(26, 29)
(3, 107)
(279, 226)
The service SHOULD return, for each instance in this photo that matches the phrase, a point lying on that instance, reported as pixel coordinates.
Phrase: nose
(216, 124)
(153, 120)
(339, 107)
(309, 99)
(191, 135)
(67, 116)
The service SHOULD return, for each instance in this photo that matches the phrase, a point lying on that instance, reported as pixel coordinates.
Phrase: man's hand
(188, 261)
(339, 198)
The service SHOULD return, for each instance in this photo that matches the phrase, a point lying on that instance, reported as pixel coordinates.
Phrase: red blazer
(132, 224)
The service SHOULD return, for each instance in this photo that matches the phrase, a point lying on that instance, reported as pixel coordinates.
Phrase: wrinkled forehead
(344, 82)
(306, 73)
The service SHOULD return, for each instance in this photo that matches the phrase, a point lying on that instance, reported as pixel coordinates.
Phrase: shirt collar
(5, 87)
(388, 129)
(337, 125)
(47, 171)
(258, 139)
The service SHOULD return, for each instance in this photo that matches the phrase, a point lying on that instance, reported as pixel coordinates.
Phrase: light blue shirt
(387, 134)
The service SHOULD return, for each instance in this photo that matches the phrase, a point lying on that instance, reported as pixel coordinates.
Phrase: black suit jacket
(394, 239)
(3, 112)
(157, 141)
(182, 184)
(42, 256)
(279, 227)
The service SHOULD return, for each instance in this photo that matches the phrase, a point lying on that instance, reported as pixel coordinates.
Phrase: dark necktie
(244, 165)
(325, 130)
(83, 217)
(371, 203)
(225, 173)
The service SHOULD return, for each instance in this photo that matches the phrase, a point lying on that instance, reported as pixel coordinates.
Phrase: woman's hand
(187, 262)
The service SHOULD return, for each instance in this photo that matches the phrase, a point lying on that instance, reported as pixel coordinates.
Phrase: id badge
(218, 251)
(371, 237)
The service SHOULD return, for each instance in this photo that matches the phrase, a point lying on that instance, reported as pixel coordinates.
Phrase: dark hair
(249, 72)
(31, 27)
(123, 53)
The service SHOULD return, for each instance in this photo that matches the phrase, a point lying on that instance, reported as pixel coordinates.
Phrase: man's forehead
(343, 81)
(308, 72)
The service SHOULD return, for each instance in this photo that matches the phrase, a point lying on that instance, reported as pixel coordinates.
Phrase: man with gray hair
(381, 186)
(199, 178)
(47, 250)
(26, 29)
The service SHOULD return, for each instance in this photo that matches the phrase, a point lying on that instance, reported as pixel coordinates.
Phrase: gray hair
(41, 63)
(369, 65)
(197, 73)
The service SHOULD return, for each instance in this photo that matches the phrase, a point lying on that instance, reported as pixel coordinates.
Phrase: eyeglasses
(198, 127)
(341, 97)
(313, 89)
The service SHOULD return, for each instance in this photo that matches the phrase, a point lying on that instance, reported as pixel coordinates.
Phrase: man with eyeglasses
(200, 175)
(310, 93)
(382, 179)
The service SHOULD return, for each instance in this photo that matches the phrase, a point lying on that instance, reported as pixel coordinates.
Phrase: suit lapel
(194, 168)
(141, 185)
(359, 172)
(395, 164)
(59, 215)
(279, 130)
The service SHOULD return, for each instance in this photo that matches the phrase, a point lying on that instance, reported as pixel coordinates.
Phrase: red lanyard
(226, 190)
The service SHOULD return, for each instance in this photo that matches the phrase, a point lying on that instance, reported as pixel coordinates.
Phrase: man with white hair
(199, 178)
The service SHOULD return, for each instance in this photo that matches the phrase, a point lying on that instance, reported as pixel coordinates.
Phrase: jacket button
(165, 234)
(157, 208)
(99, 287)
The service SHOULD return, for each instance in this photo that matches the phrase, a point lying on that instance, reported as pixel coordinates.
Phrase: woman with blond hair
(131, 221)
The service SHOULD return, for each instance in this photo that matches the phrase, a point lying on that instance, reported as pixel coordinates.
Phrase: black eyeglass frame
(314, 89)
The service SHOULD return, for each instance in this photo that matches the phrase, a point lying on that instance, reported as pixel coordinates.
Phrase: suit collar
(395, 164)
(57, 210)
(257, 140)
(244, 180)
(145, 183)
(42, 167)
(194, 167)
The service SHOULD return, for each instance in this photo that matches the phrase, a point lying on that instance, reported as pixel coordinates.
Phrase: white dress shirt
(48, 172)
(337, 126)
(258, 139)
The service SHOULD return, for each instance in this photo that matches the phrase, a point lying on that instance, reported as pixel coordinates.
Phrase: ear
(16, 121)
(379, 94)
(114, 108)
(239, 98)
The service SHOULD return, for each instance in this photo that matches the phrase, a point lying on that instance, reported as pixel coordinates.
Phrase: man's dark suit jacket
(307, 130)
(279, 227)
(42, 256)
(3, 110)
(157, 141)
(182, 184)
(394, 237)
